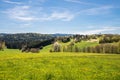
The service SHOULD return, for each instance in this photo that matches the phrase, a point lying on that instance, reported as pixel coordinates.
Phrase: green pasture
(15, 65)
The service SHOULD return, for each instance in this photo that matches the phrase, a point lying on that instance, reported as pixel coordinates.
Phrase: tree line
(101, 48)
(109, 38)
(37, 46)
(108, 43)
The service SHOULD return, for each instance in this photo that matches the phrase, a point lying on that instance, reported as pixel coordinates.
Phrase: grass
(86, 44)
(15, 65)
(81, 45)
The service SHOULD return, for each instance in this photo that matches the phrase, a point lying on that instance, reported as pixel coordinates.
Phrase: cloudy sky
(60, 16)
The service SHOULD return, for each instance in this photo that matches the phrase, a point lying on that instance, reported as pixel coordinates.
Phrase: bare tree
(56, 47)
(2, 45)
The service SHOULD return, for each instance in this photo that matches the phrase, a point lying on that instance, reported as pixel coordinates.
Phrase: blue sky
(60, 16)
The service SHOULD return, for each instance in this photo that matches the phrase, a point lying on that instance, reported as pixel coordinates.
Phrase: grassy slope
(79, 44)
(15, 65)
(86, 44)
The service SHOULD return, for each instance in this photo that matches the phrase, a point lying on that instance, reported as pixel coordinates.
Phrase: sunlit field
(15, 65)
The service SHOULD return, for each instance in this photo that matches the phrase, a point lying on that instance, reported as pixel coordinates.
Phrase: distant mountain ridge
(54, 35)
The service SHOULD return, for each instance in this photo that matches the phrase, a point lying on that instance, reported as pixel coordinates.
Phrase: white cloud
(96, 11)
(26, 13)
(21, 13)
(25, 25)
(64, 16)
(24, 18)
(11, 2)
(80, 2)
(97, 31)
(36, 1)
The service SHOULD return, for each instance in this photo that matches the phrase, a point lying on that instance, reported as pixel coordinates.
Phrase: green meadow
(81, 45)
(15, 65)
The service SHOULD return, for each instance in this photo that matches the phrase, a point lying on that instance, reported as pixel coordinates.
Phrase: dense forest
(16, 41)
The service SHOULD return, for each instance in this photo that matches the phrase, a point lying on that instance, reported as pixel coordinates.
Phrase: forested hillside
(33, 42)
(104, 43)
(17, 40)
